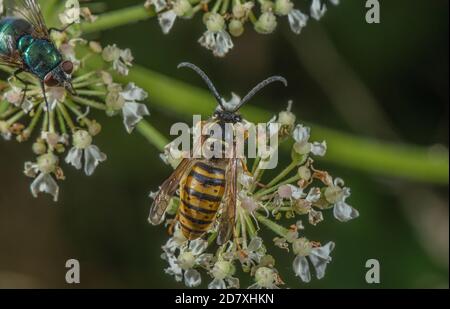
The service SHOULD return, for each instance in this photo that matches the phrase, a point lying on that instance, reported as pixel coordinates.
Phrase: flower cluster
(67, 128)
(297, 195)
(226, 18)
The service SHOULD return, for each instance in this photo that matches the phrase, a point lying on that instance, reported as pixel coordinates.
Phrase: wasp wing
(228, 215)
(167, 190)
(30, 10)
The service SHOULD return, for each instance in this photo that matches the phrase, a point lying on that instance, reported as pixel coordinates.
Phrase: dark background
(338, 69)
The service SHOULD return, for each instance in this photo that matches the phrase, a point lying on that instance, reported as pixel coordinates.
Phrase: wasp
(207, 188)
(26, 46)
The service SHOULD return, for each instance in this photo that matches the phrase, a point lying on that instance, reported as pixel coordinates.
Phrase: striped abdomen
(201, 193)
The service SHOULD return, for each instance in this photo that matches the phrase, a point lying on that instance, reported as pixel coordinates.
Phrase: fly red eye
(50, 80)
(67, 67)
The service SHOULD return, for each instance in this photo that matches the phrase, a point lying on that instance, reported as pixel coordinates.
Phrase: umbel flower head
(65, 131)
(299, 194)
(224, 19)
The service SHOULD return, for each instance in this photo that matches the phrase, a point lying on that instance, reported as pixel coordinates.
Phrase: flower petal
(319, 149)
(320, 257)
(192, 278)
(301, 134)
(198, 246)
(318, 9)
(167, 20)
(74, 157)
(218, 284)
(45, 183)
(297, 21)
(301, 268)
(92, 157)
(344, 212)
(132, 114)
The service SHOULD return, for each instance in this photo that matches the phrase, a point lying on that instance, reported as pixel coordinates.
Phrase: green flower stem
(382, 158)
(152, 135)
(251, 227)
(118, 18)
(90, 103)
(35, 119)
(61, 121)
(275, 188)
(66, 116)
(283, 173)
(3, 107)
(276, 228)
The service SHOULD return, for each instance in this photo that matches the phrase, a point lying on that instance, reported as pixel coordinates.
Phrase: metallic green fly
(26, 46)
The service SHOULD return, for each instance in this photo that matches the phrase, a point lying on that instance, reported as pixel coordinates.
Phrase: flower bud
(114, 100)
(334, 194)
(266, 23)
(39, 148)
(47, 163)
(236, 27)
(182, 7)
(186, 260)
(265, 277)
(302, 247)
(94, 128)
(222, 270)
(283, 7)
(82, 139)
(304, 172)
(215, 22)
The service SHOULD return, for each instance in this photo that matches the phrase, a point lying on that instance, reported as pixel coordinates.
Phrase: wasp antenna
(205, 77)
(259, 87)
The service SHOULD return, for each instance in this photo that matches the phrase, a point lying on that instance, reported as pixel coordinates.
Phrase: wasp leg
(45, 96)
(172, 225)
(60, 30)
(16, 75)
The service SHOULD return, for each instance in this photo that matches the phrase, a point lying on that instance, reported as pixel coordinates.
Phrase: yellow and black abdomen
(201, 193)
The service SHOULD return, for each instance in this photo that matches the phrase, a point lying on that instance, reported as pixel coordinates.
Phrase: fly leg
(60, 30)
(45, 96)
(16, 75)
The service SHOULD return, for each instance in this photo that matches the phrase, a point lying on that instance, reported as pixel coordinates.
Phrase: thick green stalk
(118, 18)
(381, 158)
(152, 135)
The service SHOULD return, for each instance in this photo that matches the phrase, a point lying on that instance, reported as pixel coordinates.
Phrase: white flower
(319, 257)
(266, 23)
(4, 130)
(167, 20)
(297, 20)
(71, 13)
(121, 59)
(15, 97)
(265, 278)
(254, 252)
(82, 144)
(132, 111)
(55, 95)
(183, 258)
(41, 171)
(223, 272)
(180, 8)
(216, 38)
(302, 145)
(337, 195)
(172, 156)
(159, 5)
(318, 8)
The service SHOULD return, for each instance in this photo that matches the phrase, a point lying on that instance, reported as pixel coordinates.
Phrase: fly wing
(228, 215)
(30, 10)
(11, 58)
(167, 190)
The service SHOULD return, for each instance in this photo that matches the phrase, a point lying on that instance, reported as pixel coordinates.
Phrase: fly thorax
(24, 43)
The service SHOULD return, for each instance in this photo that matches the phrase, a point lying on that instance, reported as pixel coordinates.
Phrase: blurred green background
(387, 82)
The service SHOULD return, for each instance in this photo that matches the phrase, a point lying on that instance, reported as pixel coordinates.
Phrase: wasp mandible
(207, 187)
